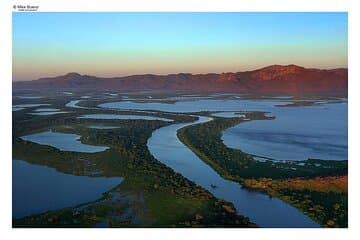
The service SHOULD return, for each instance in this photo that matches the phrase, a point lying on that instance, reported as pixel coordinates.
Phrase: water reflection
(36, 189)
(63, 142)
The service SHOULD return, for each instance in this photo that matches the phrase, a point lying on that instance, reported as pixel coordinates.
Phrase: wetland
(181, 160)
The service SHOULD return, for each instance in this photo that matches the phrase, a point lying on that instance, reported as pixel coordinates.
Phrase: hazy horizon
(164, 74)
(122, 44)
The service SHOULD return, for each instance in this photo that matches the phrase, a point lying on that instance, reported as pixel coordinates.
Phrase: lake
(297, 133)
(125, 117)
(36, 189)
(30, 105)
(29, 97)
(46, 113)
(46, 110)
(194, 106)
(63, 142)
(316, 123)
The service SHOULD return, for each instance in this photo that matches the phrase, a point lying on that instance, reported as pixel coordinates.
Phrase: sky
(119, 44)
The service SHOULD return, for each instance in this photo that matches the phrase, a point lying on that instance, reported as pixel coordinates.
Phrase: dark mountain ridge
(275, 79)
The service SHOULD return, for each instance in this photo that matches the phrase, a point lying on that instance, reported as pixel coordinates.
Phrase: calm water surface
(37, 189)
(195, 106)
(46, 113)
(118, 116)
(297, 133)
(29, 97)
(15, 109)
(63, 142)
(264, 211)
(228, 115)
(46, 110)
(30, 105)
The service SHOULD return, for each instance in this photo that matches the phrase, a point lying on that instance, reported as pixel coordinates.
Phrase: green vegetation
(151, 195)
(323, 199)
(205, 140)
(326, 205)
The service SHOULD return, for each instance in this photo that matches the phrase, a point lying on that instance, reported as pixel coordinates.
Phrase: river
(261, 209)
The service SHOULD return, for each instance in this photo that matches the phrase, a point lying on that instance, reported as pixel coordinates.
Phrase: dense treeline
(169, 199)
(323, 199)
(205, 140)
(313, 194)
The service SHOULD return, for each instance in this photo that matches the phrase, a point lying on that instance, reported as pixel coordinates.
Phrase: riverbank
(151, 195)
(324, 199)
(233, 164)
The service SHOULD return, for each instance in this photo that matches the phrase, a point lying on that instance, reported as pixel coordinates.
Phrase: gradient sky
(117, 44)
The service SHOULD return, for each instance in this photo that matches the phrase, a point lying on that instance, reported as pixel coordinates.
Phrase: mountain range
(275, 79)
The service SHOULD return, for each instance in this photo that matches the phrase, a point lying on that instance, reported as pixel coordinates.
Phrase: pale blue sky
(116, 44)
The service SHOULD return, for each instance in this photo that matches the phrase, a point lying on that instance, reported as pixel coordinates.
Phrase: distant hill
(275, 79)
